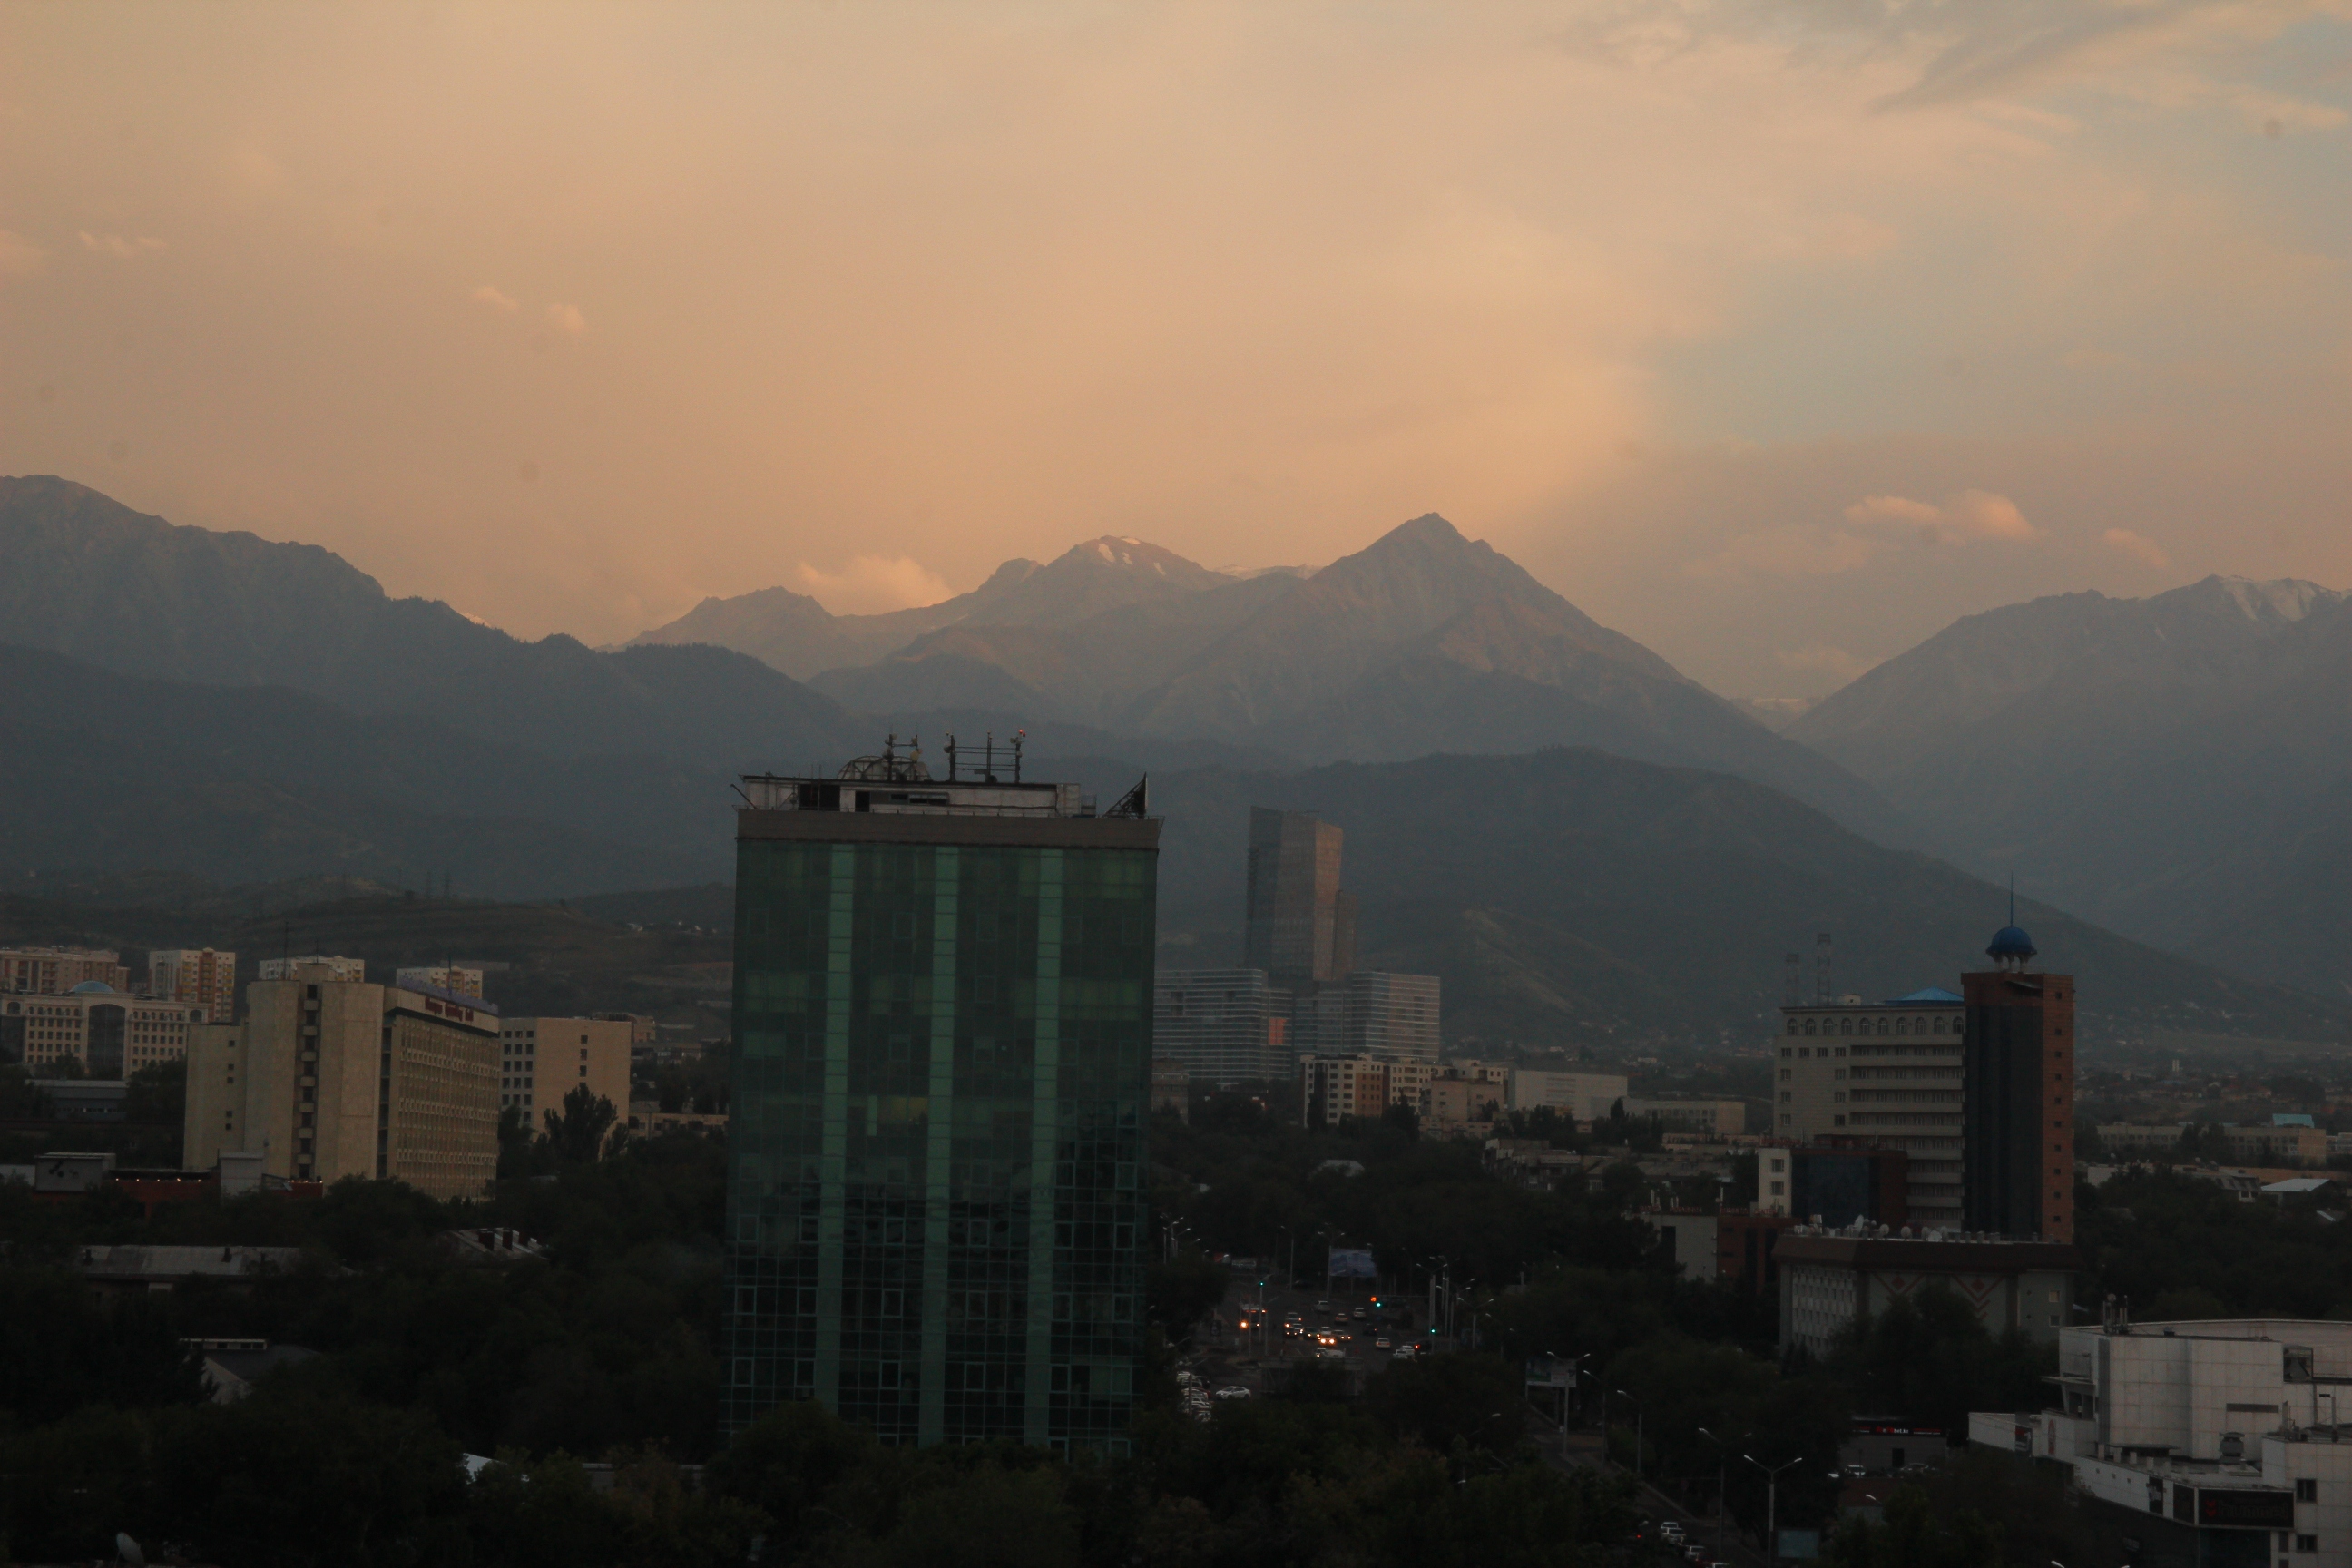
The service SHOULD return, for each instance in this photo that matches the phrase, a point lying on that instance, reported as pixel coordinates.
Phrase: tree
(582, 1130)
(158, 1092)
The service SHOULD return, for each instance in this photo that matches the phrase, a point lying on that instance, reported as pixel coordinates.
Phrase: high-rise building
(1388, 1018)
(1882, 1075)
(541, 1060)
(1224, 1025)
(326, 1078)
(2019, 1058)
(936, 1218)
(456, 979)
(1578, 1095)
(202, 976)
(1300, 929)
(52, 971)
(350, 969)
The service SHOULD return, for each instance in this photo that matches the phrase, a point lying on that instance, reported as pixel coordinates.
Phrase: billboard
(1352, 1263)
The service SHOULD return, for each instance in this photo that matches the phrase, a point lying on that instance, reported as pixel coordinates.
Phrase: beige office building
(336, 968)
(1884, 1075)
(52, 971)
(110, 1033)
(455, 977)
(203, 977)
(327, 1078)
(541, 1060)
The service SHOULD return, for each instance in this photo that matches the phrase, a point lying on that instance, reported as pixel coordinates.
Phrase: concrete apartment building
(1224, 1025)
(1830, 1281)
(1388, 1018)
(2253, 1145)
(110, 1033)
(326, 1078)
(1883, 1073)
(2216, 1442)
(1708, 1118)
(454, 977)
(1580, 1096)
(52, 971)
(334, 967)
(541, 1060)
(204, 977)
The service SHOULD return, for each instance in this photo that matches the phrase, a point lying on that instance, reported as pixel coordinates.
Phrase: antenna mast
(1821, 969)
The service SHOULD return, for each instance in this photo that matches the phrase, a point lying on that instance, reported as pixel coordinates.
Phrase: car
(1382, 1344)
(1360, 1314)
(1402, 1353)
(1331, 1355)
(1323, 1306)
(1233, 1391)
(1672, 1529)
(1694, 1553)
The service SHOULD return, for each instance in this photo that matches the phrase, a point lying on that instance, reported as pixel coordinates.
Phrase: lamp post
(1771, 1502)
(1639, 1417)
(1722, 1469)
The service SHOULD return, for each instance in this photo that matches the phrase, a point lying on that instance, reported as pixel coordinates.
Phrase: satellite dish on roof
(128, 1551)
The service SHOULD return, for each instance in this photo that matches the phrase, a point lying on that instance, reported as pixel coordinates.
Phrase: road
(1233, 1359)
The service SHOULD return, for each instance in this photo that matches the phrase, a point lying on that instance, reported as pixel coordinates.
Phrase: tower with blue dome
(2018, 1093)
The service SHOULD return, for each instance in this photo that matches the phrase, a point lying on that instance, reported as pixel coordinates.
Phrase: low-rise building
(1171, 1087)
(1578, 1095)
(343, 971)
(452, 977)
(2276, 1143)
(1719, 1117)
(1831, 1282)
(1333, 1089)
(2215, 1441)
(111, 1034)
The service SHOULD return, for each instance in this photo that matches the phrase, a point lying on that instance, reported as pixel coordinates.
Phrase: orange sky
(1774, 339)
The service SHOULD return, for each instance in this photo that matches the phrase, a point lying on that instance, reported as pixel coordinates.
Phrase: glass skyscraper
(935, 1209)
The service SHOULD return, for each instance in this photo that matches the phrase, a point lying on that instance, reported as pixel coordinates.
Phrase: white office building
(2222, 1440)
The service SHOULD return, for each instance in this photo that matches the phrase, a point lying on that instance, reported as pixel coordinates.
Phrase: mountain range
(1423, 641)
(175, 700)
(2178, 767)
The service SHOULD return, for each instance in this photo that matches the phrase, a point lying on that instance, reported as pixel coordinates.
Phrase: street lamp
(1772, 1503)
(1722, 1468)
(1639, 1415)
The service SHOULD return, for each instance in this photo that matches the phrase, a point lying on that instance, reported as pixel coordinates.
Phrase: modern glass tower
(935, 1208)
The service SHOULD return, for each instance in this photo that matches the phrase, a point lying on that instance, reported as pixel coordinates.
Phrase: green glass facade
(935, 1199)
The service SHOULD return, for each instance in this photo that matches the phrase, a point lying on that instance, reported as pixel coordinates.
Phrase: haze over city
(1776, 337)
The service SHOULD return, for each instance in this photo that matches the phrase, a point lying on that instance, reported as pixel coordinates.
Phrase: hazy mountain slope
(85, 575)
(100, 771)
(2176, 767)
(1575, 895)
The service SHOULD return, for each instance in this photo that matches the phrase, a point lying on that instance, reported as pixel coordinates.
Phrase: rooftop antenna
(1018, 736)
(1821, 969)
(951, 761)
(988, 757)
(1792, 985)
(2012, 894)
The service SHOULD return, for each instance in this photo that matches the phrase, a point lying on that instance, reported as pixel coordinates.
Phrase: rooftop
(899, 782)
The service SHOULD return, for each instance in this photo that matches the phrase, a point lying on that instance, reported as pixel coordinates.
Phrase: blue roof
(2010, 941)
(2292, 1118)
(1932, 996)
(92, 988)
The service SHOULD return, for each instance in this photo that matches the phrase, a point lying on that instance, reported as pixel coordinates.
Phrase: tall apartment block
(1388, 1018)
(2020, 1060)
(1224, 1026)
(1300, 927)
(935, 1219)
(1882, 1075)
(52, 971)
(328, 1078)
(201, 977)
(541, 1060)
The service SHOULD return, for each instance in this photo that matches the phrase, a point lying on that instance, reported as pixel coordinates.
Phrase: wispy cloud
(1971, 515)
(489, 294)
(121, 245)
(2138, 546)
(870, 584)
(566, 319)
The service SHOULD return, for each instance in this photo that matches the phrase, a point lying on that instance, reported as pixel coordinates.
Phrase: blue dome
(92, 988)
(2010, 942)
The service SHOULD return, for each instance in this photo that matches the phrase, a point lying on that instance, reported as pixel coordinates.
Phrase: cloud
(1825, 659)
(489, 294)
(118, 245)
(870, 584)
(2138, 546)
(566, 319)
(19, 257)
(1971, 515)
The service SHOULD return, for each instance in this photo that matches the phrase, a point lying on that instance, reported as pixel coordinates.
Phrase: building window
(2306, 1543)
(1777, 1188)
(2306, 1489)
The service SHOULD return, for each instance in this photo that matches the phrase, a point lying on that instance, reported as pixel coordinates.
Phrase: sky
(1776, 335)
